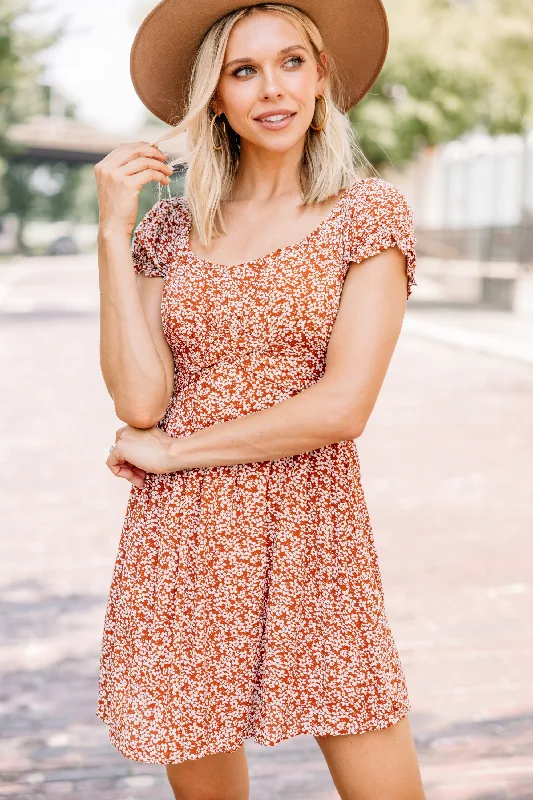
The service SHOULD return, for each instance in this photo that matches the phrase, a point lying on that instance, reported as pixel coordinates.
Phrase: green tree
(451, 66)
(21, 96)
(510, 61)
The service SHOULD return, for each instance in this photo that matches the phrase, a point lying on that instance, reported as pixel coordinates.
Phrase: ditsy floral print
(246, 600)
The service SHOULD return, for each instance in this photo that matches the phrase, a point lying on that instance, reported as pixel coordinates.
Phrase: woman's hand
(119, 179)
(138, 451)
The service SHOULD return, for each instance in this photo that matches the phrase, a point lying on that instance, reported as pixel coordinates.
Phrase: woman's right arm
(135, 359)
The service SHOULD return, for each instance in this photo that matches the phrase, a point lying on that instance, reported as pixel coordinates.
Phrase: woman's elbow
(138, 419)
(343, 414)
(347, 421)
(350, 425)
(141, 413)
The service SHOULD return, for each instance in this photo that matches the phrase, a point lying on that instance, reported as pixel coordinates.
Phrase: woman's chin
(279, 142)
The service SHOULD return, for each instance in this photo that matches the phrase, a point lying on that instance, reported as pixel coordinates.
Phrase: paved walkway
(498, 333)
(446, 464)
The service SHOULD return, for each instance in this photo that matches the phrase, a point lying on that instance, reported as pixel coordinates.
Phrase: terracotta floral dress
(246, 600)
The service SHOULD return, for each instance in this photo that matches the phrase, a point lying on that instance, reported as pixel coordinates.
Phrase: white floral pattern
(246, 600)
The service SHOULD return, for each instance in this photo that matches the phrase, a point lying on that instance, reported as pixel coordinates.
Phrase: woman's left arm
(338, 405)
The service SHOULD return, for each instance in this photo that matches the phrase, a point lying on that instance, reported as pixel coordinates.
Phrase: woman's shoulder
(167, 216)
(153, 241)
(375, 204)
(379, 217)
(375, 194)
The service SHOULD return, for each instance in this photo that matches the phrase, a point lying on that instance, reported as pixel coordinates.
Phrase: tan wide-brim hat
(164, 48)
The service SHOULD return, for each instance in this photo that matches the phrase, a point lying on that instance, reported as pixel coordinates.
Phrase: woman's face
(268, 68)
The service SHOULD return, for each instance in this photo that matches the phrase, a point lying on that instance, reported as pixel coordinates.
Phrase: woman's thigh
(222, 776)
(377, 765)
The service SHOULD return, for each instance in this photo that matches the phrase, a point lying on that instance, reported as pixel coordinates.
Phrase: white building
(477, 181)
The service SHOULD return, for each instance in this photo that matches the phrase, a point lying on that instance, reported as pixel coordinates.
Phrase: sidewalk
(432, 313)
(498, 333)
(49, 284)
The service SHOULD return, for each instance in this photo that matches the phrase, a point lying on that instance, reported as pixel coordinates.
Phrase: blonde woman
(244, 340)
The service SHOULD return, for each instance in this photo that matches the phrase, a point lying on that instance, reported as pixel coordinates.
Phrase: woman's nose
(271, 85)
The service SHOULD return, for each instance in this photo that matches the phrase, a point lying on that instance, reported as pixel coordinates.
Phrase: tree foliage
(451, 67)
(21, 97)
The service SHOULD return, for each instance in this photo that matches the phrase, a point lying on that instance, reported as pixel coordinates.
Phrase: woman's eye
(236, 72)
(296, 58)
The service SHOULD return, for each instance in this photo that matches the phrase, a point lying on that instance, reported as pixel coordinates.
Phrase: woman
(246, 600)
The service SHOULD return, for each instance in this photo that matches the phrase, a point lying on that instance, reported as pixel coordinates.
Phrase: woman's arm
(337, 406)
(135, 359)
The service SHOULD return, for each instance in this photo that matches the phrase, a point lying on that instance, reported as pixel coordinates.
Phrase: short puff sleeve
(151, 244)
(380, 217)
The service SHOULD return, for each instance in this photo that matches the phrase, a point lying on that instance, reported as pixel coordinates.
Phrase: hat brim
(163, 51)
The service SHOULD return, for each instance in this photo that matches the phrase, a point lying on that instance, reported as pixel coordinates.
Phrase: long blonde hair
(332, 159)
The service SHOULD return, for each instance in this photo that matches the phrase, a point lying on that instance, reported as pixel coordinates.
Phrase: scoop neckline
(332, 212)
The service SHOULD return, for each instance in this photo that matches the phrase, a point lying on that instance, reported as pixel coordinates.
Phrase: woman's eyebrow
(247, 59)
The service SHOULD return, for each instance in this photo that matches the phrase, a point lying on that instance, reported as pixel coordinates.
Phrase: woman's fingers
(146, 176)
(127, 151)
(119, 433)
(123, 469)
(142, 163)
(118, 187)
(126, 470)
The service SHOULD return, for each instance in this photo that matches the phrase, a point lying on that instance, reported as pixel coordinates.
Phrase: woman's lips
(276, 126)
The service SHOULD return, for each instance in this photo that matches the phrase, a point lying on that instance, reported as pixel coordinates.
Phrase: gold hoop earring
(213, 118)
(319, 127)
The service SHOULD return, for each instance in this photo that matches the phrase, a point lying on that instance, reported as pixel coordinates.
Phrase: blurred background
(446, 457)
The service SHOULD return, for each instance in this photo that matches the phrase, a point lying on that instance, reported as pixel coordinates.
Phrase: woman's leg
(222, 776)
(378, 765)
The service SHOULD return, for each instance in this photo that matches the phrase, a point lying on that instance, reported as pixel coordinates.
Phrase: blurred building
(473, 205)
(45, 138)
(477, 181)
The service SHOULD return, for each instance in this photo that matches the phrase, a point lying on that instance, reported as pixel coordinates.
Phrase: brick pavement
(447, 472)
